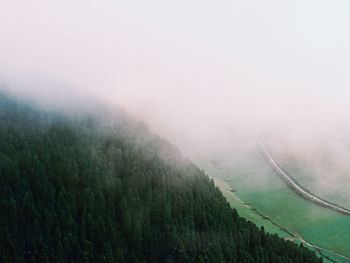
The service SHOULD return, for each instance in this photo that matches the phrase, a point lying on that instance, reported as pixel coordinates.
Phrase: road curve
(294, 185)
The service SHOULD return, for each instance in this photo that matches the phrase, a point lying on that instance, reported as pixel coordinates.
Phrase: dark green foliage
(78, 190)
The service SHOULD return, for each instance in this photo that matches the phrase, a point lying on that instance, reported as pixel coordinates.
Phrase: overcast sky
(185, 66)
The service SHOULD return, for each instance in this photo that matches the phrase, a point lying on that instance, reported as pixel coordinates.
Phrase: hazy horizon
(189, 69)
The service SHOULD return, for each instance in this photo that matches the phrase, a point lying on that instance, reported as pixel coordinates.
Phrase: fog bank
(192, 71)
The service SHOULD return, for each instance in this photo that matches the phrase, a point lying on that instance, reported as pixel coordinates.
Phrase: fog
(198, 72)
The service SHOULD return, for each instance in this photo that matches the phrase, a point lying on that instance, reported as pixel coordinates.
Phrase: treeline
(81, 190)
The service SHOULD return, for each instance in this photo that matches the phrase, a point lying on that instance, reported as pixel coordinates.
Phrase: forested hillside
(88, 189)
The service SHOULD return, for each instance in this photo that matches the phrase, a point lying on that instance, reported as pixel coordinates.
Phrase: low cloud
(200, 73)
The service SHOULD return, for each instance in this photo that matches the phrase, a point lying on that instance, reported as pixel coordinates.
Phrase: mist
(204, 75)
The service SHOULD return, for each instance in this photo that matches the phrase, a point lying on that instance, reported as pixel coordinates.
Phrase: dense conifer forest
(93, 189)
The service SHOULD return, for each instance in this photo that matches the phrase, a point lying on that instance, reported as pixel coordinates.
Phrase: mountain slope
(88, 189)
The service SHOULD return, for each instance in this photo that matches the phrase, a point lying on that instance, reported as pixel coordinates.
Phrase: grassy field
(262, 197)
(271, 227)
(248, 212)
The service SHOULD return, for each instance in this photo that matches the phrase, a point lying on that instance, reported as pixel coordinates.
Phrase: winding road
(294, 185)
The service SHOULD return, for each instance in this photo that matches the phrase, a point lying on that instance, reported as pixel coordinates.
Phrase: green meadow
(259, 195)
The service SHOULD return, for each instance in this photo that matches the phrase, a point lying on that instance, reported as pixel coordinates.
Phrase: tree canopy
(84, 189)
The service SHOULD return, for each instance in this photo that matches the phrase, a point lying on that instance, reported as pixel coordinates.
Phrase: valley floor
(261, 220)
(277, 208)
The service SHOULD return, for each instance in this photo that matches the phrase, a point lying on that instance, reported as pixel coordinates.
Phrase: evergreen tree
(81, 189)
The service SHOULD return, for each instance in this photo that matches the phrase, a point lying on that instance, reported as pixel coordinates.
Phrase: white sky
(185, 66)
